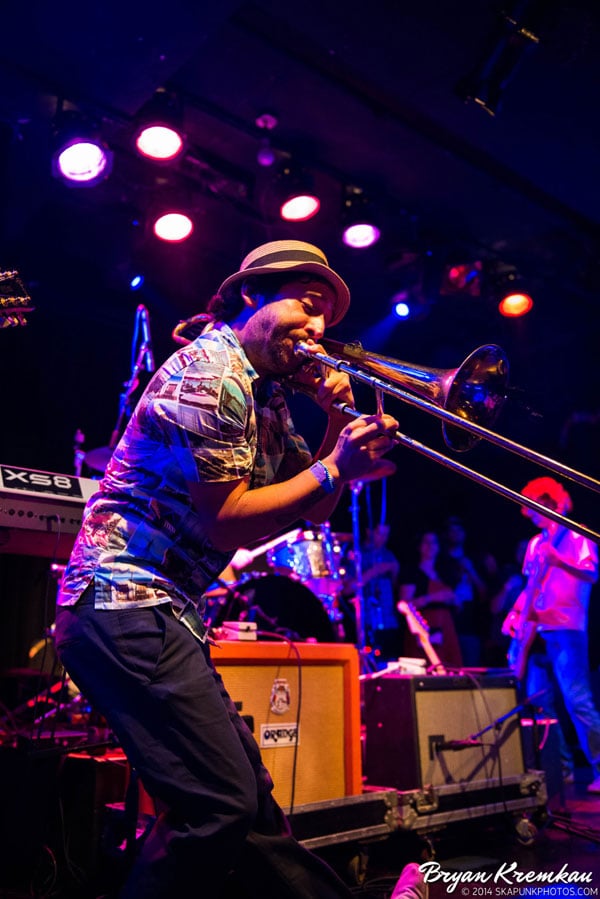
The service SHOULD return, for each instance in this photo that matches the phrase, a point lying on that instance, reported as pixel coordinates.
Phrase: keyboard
(41, 511)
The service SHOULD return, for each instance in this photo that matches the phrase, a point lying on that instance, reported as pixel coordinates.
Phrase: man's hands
(360, 446)
(323, 383)
(511, 624)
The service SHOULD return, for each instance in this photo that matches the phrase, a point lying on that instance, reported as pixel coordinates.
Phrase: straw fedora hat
(280, 256)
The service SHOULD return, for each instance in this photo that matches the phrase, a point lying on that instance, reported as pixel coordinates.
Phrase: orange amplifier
(302, 702)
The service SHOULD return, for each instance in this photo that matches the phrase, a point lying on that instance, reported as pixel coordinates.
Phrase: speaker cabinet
(408, 719)
(302, 704)
(541, 750)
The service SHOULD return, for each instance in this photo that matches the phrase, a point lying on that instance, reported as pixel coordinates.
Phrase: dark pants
(156, 686)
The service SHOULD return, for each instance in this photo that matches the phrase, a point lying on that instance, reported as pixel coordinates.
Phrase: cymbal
(97, 459)
(385, 469)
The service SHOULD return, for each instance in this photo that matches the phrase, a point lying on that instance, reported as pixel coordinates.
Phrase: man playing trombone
(548, 622)
(210, 461)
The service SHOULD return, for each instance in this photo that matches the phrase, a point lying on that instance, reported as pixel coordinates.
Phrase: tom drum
(311, 556)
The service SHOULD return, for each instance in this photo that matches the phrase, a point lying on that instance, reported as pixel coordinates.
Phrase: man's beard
(281, 357)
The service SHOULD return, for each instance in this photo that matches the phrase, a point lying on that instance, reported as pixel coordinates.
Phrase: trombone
(467, 399)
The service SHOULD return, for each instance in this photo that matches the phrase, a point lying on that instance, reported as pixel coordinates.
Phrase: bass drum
(294, 610)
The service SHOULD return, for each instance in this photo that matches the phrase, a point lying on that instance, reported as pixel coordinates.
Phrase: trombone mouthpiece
(301, 348)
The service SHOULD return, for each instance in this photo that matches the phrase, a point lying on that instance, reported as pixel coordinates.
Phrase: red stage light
(513, 305)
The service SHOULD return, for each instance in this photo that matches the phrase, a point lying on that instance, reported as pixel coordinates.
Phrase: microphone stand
(499, 721)
(98, 458)
(125, 398)
(472, 739)
(359, 599)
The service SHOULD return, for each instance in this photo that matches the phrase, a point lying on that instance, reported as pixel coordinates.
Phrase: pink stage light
(173, 227)
(361, 235)
(300, 208)
(83, 162)
(159, 142)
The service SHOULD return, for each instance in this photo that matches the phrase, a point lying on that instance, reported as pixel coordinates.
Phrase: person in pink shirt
(550, 615)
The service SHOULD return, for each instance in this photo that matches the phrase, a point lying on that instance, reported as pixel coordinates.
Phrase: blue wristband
(320, 471)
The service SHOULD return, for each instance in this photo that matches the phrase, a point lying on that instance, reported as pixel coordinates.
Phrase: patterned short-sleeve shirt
(204, 417)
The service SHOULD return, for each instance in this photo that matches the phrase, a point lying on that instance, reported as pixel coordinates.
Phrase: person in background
(511, 582)
(422, 586)
(209, 461)
(380, 569)
(459, 572)
(560, 566)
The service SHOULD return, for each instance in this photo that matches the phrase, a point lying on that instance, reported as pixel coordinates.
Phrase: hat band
(286, 256)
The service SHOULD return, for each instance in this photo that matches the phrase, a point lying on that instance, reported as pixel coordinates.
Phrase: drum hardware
(384, 469)
(280, 604)
(228, 597)
(256, 556)
(308, 557)
(264, 548)
(78, 451)
(358, 602)
(332, 605)
(58, 697)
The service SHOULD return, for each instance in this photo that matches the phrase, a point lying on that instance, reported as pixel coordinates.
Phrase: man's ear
(250, 295)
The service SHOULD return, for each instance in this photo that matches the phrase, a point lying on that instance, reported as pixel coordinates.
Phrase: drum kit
(293, 586)
(302, 584)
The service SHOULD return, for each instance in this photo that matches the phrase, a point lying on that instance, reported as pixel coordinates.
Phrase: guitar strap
(554, 543)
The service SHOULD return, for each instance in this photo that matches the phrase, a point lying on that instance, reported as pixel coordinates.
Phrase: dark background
(372, 95)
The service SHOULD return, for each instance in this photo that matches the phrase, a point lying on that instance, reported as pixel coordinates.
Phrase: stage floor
(492, 849)
(483, 856)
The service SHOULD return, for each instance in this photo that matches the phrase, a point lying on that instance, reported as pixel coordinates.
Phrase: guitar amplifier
(302, 704)
(434, 731)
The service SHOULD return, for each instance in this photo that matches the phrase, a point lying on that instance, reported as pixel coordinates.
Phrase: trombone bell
(467, 399)
(475, 391)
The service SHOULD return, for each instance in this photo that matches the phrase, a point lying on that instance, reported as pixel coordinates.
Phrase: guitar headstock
(15, 302)
(416, 623)
(419, 627)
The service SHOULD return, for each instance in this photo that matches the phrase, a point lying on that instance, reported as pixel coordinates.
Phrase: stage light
(300, 208)
(401, 309)
(80, 157)
(514, 305)
(136, 282)
(515, 35)
(462, 278)
(361, 235)
(296, 197)
(159, 142)
(266, 155)
(401, 304)
(360, 230)
(158, 134)
(509, 289)
(173, 227)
